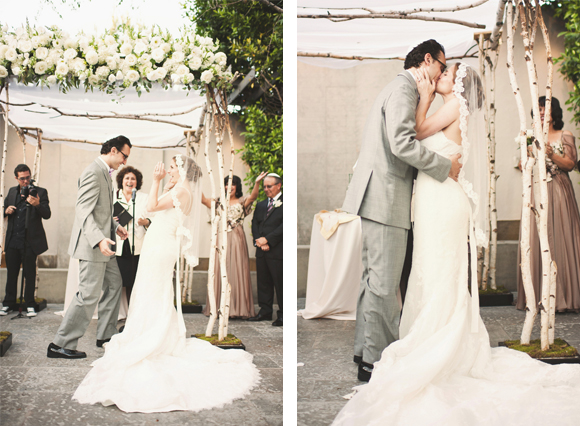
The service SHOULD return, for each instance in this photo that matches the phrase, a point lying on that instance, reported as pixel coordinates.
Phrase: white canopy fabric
(76, 101)
(386, 38)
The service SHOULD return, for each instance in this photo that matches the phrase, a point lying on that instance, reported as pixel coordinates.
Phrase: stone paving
(36, 390)
(325, 348)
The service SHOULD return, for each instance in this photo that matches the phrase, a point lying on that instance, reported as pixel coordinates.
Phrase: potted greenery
(5, 342)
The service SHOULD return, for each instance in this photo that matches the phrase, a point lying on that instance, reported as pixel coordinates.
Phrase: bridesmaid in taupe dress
(237, 258)
(563, 219)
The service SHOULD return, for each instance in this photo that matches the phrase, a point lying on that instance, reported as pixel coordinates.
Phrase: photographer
(25, 196)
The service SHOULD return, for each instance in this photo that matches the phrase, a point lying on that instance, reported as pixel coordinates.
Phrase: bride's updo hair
(192, 169)
(471, 82)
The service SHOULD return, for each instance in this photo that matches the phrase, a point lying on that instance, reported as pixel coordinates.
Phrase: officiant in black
(18, 251)
(129, 181)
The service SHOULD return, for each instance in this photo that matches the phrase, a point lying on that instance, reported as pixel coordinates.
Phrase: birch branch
(347, 17)
(499, 20)
(362, 58)
(406, 12)
(486, 258)
(5, 112)
(270, 5)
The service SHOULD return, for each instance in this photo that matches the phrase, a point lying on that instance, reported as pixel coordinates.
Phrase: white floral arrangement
(277, 204)
(529, 138)
(124, 56)
(552, 168)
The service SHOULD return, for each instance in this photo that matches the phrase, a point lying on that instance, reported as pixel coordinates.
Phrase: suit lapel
(273, 208)
(108, 180)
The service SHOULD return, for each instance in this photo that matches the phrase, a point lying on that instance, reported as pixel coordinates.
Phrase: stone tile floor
(36, 390)
(325, 348)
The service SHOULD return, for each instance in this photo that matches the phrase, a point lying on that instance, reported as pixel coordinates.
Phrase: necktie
(270, 205)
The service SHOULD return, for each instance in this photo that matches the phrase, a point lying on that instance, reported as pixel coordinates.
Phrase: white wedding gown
(440, 372)
(151, 366)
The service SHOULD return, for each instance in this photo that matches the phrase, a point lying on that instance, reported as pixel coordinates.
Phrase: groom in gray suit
(380, 192)
(93, 232)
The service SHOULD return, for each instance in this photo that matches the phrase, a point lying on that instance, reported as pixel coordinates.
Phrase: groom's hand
(122, 232)
(104, 247)
(455, 166)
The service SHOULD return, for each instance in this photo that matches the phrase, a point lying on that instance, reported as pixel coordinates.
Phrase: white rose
(51, 79)
(178, 47)
(208, 58)
(195, 50)
(42, 53)
(195, 63)
(126, 48)
(92, 57)
(140, 47)
(93, 79)
(25, 45)
(207, 76)
(162, 72)
(188, 78)
(3, 49)
(112, 78)
(221, 59)
(112, 62)
(132, 76)
(158, 54)
(120, 76)
(83, 76)
(103, 71)
(40, 67)
(57, 43)
(178, 56)
(144, 58)
(153, 76)
(110, 40)
(11, 54)
(44, 39)
(70, 43)
(131, 59)
(70, 54)
(53, 57)
(207, 41)
(166, 47)
(61, 68)
(79, 65)
(84, 43)
(20, 31)
(176, 79)
(156, 42)
(3, 72)
(35, 41)
(182, 70)
(16, 70)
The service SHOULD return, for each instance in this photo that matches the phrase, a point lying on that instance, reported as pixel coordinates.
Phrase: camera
(30, 189)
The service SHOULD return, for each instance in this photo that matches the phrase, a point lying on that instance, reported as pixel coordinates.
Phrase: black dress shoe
(261, 317)
(55, 351)
(357, 359)
(100, 343)
(278, 322)
(365, 370)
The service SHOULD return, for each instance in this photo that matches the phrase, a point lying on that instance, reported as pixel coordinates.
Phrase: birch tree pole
(527, 163)
(4, 155)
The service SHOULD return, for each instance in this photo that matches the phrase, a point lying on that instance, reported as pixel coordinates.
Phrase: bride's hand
(159, 172)
(425, 86)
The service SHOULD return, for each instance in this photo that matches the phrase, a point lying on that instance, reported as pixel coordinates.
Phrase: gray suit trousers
(94, 277)
(377, 318)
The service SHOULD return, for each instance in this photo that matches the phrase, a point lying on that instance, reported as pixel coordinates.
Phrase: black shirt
(17, 240)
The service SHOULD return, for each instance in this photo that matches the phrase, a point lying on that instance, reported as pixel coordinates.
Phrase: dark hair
(237, 182)
(119, 142)
(416, 56)
(128, 169)
(21, 168)
(556, 113)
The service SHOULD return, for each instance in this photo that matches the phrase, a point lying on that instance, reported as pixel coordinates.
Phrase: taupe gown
(237, 265)
(564, 240)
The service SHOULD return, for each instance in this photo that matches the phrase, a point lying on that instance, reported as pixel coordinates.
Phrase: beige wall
(333, 105)
(63, 164)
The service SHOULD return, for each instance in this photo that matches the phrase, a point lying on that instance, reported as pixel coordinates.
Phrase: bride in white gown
(151, 366)
(442, 371)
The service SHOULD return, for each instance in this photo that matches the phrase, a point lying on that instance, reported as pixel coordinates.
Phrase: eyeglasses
(24, 179)
(270, 186)
(444, 66)
(124, 156)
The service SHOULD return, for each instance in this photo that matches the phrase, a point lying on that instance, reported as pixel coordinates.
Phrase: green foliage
(263, 147)
(570, 59)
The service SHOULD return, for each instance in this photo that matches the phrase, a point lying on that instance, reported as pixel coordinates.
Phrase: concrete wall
(333, 105)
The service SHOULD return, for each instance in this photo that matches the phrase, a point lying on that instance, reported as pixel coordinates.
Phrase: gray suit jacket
(380, 189)
(93, 214)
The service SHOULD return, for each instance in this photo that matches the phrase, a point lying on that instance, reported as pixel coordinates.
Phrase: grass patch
(560, 349)
(193, 302)
(37, 300)
(4, 335)
(499, 290)
(229, 340)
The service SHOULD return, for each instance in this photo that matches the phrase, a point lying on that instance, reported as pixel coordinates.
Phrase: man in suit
(380, 192)
(23, 246)
(267, 231)
(92, 235)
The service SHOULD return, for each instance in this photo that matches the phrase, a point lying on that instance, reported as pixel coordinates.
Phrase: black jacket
(270, 227)
(36, 235)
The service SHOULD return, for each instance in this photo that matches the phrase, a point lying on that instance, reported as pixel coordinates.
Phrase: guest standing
(18, 200)
(237, 258)
(267, 231)
(563, 219)
(129, 179)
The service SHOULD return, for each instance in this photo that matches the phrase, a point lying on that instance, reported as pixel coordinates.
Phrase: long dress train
(441, 372)
(151, 366)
